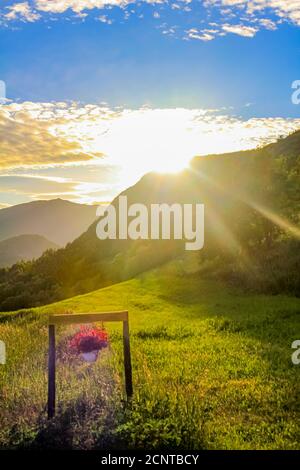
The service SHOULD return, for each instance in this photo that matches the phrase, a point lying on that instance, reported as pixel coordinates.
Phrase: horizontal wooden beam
(67, 319)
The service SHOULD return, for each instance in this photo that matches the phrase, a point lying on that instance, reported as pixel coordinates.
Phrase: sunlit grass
(212, 369)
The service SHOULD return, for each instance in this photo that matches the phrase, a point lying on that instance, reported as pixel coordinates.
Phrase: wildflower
(89, 339)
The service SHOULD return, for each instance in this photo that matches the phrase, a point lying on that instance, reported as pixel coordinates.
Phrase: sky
(99, 92)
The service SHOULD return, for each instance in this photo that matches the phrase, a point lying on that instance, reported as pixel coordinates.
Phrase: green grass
(212, 369)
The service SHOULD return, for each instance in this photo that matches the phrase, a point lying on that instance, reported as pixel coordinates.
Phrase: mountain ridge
(23, 248)
(48, 219)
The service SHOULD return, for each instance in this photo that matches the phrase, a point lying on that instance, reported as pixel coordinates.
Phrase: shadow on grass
(81, 425)
(263, 317)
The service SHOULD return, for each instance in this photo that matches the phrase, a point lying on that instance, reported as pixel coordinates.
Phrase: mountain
(57, 220)
(252, 215)
(238, 190)
(23, 248)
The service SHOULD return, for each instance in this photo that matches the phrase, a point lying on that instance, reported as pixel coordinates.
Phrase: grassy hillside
(23, 248)
(212, 369)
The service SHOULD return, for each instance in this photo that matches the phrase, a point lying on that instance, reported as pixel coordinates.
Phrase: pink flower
(89, 339)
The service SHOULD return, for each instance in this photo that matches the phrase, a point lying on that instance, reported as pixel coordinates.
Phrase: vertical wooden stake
(127, 359)
(51, 373)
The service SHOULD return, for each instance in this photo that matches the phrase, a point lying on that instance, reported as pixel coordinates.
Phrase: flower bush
(89, 339)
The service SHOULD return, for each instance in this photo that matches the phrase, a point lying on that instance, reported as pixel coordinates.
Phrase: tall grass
(211, 367)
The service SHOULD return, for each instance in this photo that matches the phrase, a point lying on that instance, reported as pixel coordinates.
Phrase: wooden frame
(68, 319)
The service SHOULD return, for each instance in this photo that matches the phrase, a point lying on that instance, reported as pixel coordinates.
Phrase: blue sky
(131, 62)
(231, 62)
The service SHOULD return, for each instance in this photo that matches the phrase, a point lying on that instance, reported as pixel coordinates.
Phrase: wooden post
(51, 372)
(127, 359)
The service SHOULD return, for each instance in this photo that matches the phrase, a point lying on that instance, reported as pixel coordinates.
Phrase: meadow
(211, 369)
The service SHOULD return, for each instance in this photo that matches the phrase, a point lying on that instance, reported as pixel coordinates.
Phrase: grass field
(212, 370)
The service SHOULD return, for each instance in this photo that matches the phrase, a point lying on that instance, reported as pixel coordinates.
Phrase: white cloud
(60, 6)
(268, 24)
(241, 17)
(38, 186)
(21, 11)
(288, 9)
(241, 30)
(205, 36)
(105, 19)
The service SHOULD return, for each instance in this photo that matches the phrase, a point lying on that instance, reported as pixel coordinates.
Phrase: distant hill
(57, 220)
(23, 248)
(250, 199)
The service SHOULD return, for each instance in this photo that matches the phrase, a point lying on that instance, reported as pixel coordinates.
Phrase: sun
(150, 140)
(132, 142)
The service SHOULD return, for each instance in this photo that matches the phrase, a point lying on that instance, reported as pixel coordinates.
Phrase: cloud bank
(27, 138)
(90, 153)
(215, 18)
